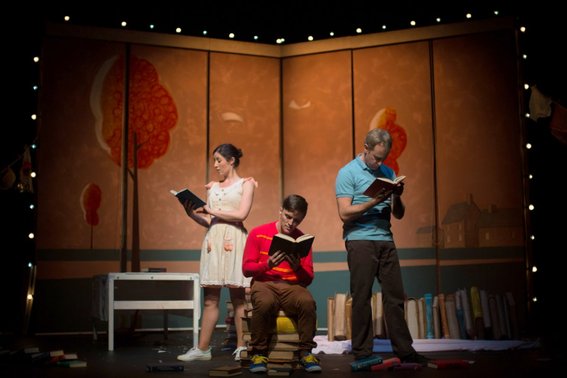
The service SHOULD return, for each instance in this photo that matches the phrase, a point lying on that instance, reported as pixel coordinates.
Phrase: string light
(281, 40)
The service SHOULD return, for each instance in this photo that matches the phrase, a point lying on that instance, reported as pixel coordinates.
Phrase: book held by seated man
(185, 194)
(382, 186)
(286, 243)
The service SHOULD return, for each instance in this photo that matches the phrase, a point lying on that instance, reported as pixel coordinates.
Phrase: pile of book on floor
(377, 363)
(36, 357)
(475, 314)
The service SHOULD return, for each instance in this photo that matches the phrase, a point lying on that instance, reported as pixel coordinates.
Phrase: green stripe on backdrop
(68, 301)
(194, 255)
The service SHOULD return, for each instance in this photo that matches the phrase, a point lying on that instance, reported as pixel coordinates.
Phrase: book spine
(331, 318)
(428, 315)
(460, 314)
(477, 313)
(443, 313)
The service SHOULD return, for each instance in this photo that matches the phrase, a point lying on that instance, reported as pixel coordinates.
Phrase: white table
(191, 302)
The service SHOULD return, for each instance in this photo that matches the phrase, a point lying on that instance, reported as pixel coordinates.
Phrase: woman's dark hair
(229, 151)
(295, 202)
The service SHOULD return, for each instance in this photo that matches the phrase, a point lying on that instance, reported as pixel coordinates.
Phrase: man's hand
(276, 259)
(293, 260)
(398, 189)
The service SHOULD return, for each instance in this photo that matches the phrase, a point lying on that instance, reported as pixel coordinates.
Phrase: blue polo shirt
(352, 180)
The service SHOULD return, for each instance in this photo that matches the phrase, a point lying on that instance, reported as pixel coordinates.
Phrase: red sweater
(255, 261)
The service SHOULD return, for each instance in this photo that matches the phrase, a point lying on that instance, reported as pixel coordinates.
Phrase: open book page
(185, 194)
(382, 186)
(286, 243)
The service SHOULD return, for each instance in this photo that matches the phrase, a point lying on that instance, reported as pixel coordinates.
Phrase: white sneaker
(195, 354)
(237, 351)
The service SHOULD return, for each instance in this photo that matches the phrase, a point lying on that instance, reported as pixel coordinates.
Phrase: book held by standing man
(185, 194)
(382, 186)
(286, 243)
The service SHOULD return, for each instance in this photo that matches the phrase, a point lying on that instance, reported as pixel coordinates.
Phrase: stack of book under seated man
(283, 355)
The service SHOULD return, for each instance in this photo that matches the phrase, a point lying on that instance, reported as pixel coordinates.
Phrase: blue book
(428, 315)
(366, 362)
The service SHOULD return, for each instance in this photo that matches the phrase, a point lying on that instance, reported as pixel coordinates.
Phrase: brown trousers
(295, 300)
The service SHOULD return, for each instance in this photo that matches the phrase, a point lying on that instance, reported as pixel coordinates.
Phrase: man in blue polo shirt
(371, 252)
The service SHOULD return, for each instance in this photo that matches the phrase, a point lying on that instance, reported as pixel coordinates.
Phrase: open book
(382, 186)
(283, 242)
(185, 194)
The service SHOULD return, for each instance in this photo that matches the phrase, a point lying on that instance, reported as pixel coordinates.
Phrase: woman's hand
(191, 210)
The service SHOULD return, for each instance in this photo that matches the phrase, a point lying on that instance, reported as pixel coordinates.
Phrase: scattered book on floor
(225, 371)
(449, 363)
(187, 195)
(162, 368)
(365, 363)
(286, 243)
(386, 364)
(56, 353)
(408, 366)
(72, 363)
(40, 357)
(70, 356)
(30, 350)
(382, 187)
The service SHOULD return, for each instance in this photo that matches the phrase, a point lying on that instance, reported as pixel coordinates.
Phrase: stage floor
(136, 350)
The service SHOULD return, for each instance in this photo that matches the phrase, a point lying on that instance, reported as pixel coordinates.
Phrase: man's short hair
(295, 202)
(378, 136)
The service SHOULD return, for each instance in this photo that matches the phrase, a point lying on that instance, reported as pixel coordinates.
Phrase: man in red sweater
(279, 282)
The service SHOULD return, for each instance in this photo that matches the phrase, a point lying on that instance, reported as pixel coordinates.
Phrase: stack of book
(464, 314)
(53, 358)
(283, 352)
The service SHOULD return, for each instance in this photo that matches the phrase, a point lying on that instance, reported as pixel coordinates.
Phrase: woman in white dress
(229, 201)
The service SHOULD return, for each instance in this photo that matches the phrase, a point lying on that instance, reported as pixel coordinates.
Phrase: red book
(451, 363)
(386, 364)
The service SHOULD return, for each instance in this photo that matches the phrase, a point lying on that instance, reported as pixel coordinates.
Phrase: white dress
(223, 246)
